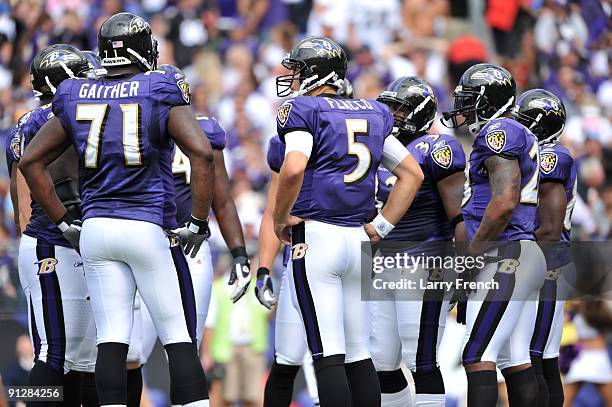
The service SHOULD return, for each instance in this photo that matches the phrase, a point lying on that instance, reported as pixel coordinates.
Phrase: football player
(134, 373)
(50, 270)
(499, 208)
(543, 113)
(12, 154)
(290, 338)
(404, 328)
(95, 62)
(224, 208)
(325, 196)
(290, 345)
(123, 127)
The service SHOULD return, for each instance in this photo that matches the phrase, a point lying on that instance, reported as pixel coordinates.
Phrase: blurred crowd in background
(231, 50)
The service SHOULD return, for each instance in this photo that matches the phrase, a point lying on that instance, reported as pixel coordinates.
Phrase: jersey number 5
(96, 114)
(360, 150)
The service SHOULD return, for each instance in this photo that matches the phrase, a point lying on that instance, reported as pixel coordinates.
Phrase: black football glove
(240, 273)
(459, 298)
(192, 235)
(461, 311)
(71, 230)
(263, 289)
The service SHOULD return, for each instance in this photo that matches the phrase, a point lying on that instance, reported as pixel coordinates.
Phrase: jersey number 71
(97, 114)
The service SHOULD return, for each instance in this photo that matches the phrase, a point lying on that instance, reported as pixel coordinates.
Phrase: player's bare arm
(409, 178)
(268, 248)
(451, 193)
(14, 196)
(505, 183)
(268, 242)
(187, 133)
(231, 229)
(48, 144)
(551, 211)
(24, 200)
(224, 207)
(290, 181)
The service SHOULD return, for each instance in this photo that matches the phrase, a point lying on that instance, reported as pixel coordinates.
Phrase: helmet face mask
(287, 84)
(400, 111)
(485, 92)
(467, 103)
(313, 62)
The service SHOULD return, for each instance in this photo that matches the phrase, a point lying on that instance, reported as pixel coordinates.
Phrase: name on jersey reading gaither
(118, 90)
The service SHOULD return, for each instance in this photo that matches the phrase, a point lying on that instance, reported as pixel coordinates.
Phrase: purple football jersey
(557, 165)
(119, 129)
(439, 156)
(276, 154)
(509, 139)
(348, 137)
(182, 171)
(40, 226)
(12, 148)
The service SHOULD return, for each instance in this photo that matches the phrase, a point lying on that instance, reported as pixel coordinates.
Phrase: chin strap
(420, 107)
(305, 87)
(417, 109)
(427, 125)
(67, 70)
(549, 138)
(140, 58)
(53, 88)
(553, 137)
(476, 126)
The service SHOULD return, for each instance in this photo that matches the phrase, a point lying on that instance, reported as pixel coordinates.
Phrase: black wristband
(64, 223)
(198, 226)
(263, 271)
(239, 252)
(456, 220)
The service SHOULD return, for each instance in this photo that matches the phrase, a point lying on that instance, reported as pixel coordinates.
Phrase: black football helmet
(413, 104)
(542, 112)
(95, 63)
(313, 62)
(484, 93)
(126, 39)
(54, 64)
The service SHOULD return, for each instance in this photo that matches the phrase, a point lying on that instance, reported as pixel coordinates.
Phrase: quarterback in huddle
(113, 178)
